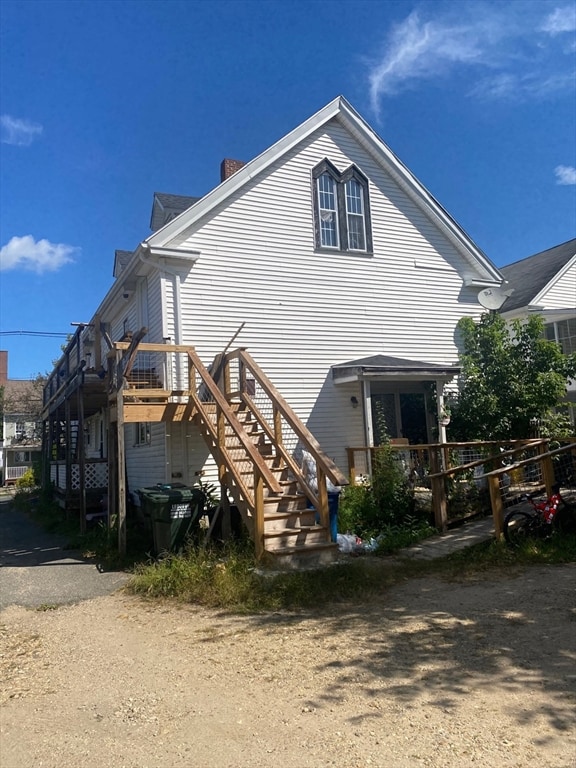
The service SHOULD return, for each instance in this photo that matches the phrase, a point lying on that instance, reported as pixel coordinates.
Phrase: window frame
(142, 433)
(352, 173)
(563, 332)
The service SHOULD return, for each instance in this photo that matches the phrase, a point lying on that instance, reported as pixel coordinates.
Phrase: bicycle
(544, 519)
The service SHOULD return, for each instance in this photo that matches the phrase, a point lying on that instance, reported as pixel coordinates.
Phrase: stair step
(293, 538)
(310, 556)
(288, 502)
(295, 519)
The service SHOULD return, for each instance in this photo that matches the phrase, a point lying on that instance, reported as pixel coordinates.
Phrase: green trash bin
(172, 512)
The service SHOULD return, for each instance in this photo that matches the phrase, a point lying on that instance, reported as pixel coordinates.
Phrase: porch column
(441, 411)
(441, 415)
(368, 425)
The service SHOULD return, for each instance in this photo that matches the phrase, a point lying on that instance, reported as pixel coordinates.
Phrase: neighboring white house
(345, 275)
(20, 447)
(545, 284)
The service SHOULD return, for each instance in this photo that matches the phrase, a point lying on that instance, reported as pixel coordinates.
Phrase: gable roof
(166, 206)
(340, 109)
(121, 259)
(531, 276)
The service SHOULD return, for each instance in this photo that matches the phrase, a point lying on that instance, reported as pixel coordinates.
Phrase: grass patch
(229, 579)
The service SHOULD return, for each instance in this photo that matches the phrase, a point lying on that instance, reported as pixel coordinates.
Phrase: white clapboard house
(320, 284)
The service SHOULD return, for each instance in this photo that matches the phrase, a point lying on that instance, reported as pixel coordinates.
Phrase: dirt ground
(434, 673)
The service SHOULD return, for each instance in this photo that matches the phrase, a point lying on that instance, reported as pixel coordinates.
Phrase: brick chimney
(228, 167)
(3, 366)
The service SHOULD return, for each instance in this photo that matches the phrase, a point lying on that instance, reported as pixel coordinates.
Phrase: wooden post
(221, 449)
(111, 456)
(496, 503)
(81, 458)
(323, 500)
(548, 474)
(439, 504)
(446, 464)
(68, 437)
(351, 465)
(226, 377)
(277, 426)
(258, 514)
(121, 473)
(241, 375)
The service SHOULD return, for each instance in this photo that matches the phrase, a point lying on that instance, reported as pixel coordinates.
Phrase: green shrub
(27, 481)
(384, 504)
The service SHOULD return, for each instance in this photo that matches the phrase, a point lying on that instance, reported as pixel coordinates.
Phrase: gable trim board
(483, 272)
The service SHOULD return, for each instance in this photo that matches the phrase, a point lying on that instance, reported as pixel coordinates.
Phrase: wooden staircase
(255, 438)
(288, 522)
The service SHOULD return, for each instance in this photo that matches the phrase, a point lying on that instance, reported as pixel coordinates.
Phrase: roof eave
(348, 374)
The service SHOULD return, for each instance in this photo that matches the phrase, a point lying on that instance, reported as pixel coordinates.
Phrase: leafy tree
(511, 375)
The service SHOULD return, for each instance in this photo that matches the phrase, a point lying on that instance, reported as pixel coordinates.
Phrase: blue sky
(104, 103)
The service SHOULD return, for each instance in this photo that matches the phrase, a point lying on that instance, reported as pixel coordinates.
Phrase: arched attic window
(341, 209)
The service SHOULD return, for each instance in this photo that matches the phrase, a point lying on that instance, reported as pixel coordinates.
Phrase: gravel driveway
(474, 674)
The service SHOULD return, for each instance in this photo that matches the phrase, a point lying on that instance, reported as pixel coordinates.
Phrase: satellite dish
(493, 298)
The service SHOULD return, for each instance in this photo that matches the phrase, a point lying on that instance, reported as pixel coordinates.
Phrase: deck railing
(456, 476)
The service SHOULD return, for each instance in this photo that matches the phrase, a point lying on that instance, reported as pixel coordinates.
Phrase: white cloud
(35, 256)
(565, 174)
(560, 20)
(20, 133)
(497, 48)
(512, 86)
(420, 50)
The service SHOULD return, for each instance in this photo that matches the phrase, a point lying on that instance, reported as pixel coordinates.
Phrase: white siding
(562, 295)
(306, 311)
(146, 464)
(156, 330)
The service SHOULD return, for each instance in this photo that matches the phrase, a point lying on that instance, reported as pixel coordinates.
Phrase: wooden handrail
(324, 463)
(232, 419)
(524, 462)
(486, 459)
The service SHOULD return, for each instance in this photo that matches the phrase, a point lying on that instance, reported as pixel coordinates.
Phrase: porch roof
(385, 367)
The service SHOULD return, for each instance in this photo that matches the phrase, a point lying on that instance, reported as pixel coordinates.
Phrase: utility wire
(34, 333)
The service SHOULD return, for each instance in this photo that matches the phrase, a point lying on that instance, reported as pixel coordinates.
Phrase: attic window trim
(341, 232)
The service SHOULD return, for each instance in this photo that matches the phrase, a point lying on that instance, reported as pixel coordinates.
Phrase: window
(355, 215)
(328, 209)
(564, 333)
(341, 209)
(22, 457)
(142, 433)
(20, 430)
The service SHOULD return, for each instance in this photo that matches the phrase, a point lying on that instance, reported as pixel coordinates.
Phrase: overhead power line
(35, 333)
